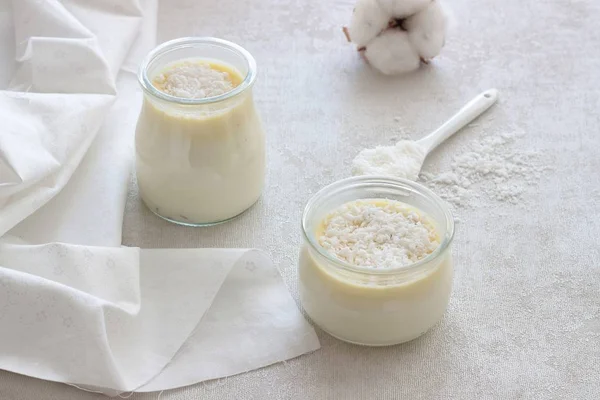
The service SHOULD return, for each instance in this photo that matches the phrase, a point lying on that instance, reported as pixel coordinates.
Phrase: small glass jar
(370, 306)
(199, 161)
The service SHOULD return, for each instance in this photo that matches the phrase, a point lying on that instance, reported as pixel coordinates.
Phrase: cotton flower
(395, 36)
(400, 9)
(427, 30)
(392, 53)
(368, 21)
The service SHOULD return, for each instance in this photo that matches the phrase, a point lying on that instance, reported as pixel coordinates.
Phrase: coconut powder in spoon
(404, 160)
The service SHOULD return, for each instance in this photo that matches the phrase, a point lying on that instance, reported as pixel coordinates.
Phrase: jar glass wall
(375, 306)
(199, 161)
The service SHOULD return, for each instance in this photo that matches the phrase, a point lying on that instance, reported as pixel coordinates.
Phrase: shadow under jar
(369, 305)
(199, 161)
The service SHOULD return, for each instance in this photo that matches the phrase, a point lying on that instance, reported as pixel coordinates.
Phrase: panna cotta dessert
(200, 146)
(376, 265)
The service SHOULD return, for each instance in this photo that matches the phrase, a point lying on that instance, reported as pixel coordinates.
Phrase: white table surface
(524, 318)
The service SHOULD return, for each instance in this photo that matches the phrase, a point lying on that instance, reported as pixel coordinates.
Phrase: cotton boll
(400, 9)
(427, 30)
(392, 53)
(368, 20)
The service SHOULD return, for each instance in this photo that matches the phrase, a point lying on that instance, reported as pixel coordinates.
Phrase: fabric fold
(76, 306)
(95, 300)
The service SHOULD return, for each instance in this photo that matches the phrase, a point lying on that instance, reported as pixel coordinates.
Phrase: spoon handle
(468, 113)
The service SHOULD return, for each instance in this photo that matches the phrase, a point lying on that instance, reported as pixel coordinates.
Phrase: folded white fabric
(75, 306)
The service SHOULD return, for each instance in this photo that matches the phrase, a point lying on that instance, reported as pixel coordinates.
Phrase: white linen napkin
(75, 306)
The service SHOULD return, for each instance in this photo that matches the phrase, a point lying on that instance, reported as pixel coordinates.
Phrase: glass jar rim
(180, 43)
(372, 180)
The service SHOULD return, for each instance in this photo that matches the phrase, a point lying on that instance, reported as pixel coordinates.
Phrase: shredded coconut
(490, 168)
(193, 80)
(378, 233)
(403, 160)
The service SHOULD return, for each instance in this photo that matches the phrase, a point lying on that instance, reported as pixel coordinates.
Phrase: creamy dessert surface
(197, 79)
(378, 233)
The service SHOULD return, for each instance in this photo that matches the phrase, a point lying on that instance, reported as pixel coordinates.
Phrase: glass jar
(199, 161)
(369, 306)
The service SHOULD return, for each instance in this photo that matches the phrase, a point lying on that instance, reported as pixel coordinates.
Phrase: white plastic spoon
(405, 159)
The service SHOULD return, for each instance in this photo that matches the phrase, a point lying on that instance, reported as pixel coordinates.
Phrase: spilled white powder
(492, 168)
(403, 160)
(193, 80)
(378, 233)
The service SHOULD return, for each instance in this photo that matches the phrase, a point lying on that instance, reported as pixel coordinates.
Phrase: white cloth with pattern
(75, 306)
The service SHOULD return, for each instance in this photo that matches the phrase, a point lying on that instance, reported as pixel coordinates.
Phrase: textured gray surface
(524, 319)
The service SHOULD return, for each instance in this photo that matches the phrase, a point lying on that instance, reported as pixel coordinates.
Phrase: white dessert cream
(393, 291)
(199, 163)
